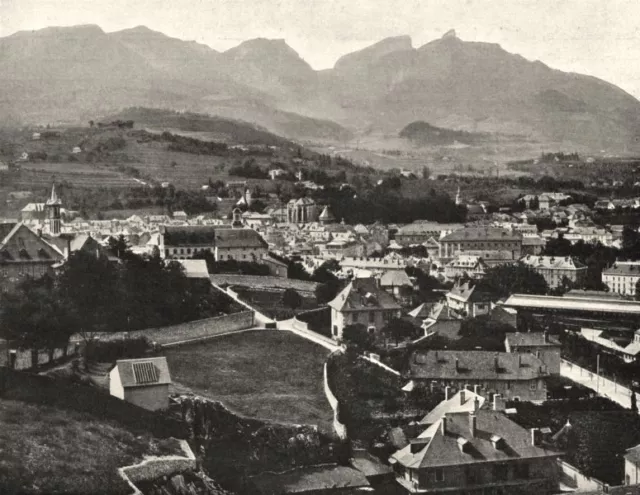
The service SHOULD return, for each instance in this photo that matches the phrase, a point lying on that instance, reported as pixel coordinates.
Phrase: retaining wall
(572, 477)
(200, 329)
(340, 429)
(158, 467)
(24, 359)
(302, 329)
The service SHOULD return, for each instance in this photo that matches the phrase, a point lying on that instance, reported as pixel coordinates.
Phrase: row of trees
(92, 294)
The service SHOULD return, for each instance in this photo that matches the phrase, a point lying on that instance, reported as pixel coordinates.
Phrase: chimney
(546, 337)
(533, 436)
(443, 425)
(463, 394)
(473, 423)
(39, 232)
(476, 404)
(519, 360)
(496, 402)
(457, 365)
(475, 389)
(446, 392)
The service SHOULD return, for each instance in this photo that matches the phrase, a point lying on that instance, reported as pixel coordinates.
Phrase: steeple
(53, 205)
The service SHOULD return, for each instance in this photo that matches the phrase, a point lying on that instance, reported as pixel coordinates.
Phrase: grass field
(49, 450)
(267, 374)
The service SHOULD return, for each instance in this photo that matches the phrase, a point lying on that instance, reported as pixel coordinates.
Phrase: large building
(481, 239)
(24, 253)
(362, 302)
(622, 277)
(301, 211)
(420, 232)
(555, 269)
(476, 452)
(540, 344)
(184, 242)
(513, 376)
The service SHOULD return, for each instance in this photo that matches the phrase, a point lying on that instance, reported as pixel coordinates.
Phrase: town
(229, 273)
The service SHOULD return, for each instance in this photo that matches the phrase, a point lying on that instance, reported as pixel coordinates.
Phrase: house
(467, 300)
(143, 382)
(541, 344)
(239, 245)
(339, 248)
(481, 238)
(515, 376)
(632, 466)
(180, 215)
(181, 242)
(463, 401)
(276, 172)
(432, 246)
(362, 302)
(76, 149)
(471, 266)
(555, 269)
(33, 211)
(604, 205)
(24, 253)
(622, 277)
(419, 232)
(477, 452)
(398, 284)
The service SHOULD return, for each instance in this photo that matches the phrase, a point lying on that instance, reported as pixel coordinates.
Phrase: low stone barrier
(339, 428)
(157, 467)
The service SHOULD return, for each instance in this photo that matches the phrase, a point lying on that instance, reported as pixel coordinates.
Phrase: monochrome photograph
(319, 247)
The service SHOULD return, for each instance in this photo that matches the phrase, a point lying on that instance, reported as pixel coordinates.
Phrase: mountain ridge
(73, 72)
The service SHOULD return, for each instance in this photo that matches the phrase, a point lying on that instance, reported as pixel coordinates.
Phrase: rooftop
(363, 294)
(586, 304)
(475, 365)
(482, 234)
(533, 339)
(143, 372)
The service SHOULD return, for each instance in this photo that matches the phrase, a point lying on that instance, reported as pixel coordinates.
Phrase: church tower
(53, 206)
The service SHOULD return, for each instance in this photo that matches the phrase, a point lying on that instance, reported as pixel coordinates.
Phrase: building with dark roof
(183, 242)
(420, 232)
(25, 253)
(622, 277)
(541, 344)
(481, 239)
(555, 269)
(513, 376)
(143, 382)
(476, 452)
(362, 302)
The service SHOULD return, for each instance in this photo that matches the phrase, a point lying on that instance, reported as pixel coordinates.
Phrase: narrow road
(603, 386)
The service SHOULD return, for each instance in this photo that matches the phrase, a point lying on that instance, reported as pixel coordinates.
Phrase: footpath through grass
(267, 374)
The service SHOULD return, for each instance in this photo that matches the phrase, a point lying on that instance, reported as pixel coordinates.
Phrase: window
(372, 317)
(166, 252)
(438, 475)
(533, 385)
(188, 250)
(181, 250)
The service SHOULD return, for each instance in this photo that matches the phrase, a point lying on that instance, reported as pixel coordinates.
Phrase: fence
(340, 429)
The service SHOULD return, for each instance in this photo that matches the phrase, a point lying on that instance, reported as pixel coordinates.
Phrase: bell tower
(53, 206)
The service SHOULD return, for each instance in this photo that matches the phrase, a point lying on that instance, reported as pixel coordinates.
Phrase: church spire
(53, 200)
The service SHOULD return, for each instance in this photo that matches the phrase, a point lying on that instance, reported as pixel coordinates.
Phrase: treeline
(93, 294)
(196, 146)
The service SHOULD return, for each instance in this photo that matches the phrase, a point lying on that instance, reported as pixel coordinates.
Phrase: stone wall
(340, 429)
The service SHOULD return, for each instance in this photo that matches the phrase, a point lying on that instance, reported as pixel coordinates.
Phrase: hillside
(423, 133)
(75, 73)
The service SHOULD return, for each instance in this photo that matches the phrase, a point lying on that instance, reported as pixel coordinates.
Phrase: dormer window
(24, 255)
(497, 442)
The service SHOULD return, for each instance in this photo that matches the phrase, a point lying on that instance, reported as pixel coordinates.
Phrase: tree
(399, 329)
(504, 280)
(482, 332)
(357, 338)
(558, 246)
(119, 246)
(534, 204)
(292, 299)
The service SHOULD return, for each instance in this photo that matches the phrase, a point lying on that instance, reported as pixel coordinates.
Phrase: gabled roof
(192, 235)
(444, 448)
(143, 372)
(468, 292)
(19, 243)
(395, 278)
(463, 401)
(363, 294)
(482, 234)
(475, 365)
(239, 238)
(553, 262)
(531, 339)
(621, 268)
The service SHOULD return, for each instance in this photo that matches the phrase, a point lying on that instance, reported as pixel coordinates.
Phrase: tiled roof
(633, 454)
(428, 227)
(475, 365)
(239, 238)
(553, 262)
(468, 292)
(463, 401)
(536, 339)
(193, 235)
(19, 243)
(628, 269)
(143, 372)
(444, 448)
(363, 294)
(482, 234)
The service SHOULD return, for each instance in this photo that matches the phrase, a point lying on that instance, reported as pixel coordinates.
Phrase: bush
(97, 351)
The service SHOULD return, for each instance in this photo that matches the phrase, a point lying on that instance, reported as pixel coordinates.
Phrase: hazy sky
(597, 37)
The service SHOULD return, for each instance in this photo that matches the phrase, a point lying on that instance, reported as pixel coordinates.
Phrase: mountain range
(80, 72)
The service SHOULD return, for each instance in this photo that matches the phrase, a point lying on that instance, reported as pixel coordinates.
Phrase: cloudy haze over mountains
(78, 72)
